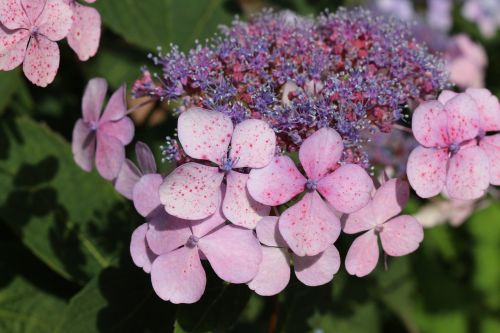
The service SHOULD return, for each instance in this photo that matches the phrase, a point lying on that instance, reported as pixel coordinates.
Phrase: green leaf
(8, 85)
(75, 222)
(119, 299)
(26, 303)
(152, 23)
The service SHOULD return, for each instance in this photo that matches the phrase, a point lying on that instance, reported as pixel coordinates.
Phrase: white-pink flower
(310, 226)
(192, 191)
(29, 31)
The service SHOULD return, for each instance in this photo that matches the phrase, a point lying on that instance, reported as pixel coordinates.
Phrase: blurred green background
(64, 234)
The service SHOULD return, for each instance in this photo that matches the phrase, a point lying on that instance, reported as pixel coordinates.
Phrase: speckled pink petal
(32, 9)
(83, 145)
(41, 61)
(488, 107)
(141, 254)
(268, 232)
(401, 235)
(203, 227)
(234, 253)
(491, 146)
(12, 48)
(238, 206)
(12, 15)
(128, 176)
(362, 256)
(463, 118)
(276, 183)
(347, 189)
(309, 226)
(110, 155)
(205, 134)
(426, 170)
(390, 199)
(55, 20)
(429, 124)
(167, 233)
(274, 272)
(192, 191)
(93, 99)
(361, 220)
(468, 174)
(253, 144)
(320, 152)
(178, 276)
(318, 269)
(446, 95)
(116, 107)
(146, 194)
(122, 129)
(145, 158)
(85, 32)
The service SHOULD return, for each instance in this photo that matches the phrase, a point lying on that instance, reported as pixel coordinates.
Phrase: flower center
(481, 134)
(311, 185)
(34, 30)
(454, 148)
(93, 125)
(227, 164)
(379, 228)
(192, 241)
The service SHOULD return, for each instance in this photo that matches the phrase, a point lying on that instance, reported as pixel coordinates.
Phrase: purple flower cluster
(347, 70)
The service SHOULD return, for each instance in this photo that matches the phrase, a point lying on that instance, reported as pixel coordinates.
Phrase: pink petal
(401, 235)
(146, 194)
(429, 124)
(122, 129)
(347, 189)
(55, 20)
(468, 174)
(361, 220)
(446, 95)
(205, 134)
(142, 256)
(13, 46)
(192, 191)
(85, 32)
(320, 152)
(276, 183)
(390, 199)
(268, 232)
(116, 107)
(318, 269)
(426, 170)
(41, 61)
(12, 15)
(145, 158)
(238, 205)
(128, 176)
(203, 227)
(178, 276)
(362, 256)
(234, 253)
(110, 155)
(491, 147)
(274, 272)
(167, 233)
(253, 144)
(463, 118)
(83, 145)
(93, 99)
(488, 107)
(309, 226)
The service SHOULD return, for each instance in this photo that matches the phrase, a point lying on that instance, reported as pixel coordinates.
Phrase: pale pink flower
(448, 159)
(29, 30)
(455, 212)
(274, 270)
(192, 191)
(310, 226)
(399, 235)
(489, 124)
(102, 137)
(85, 31)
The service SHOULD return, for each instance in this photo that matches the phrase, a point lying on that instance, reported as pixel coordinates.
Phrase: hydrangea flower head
(102, 137)
(192, 190)
(29, 31)
(399, 235)
(310, 226)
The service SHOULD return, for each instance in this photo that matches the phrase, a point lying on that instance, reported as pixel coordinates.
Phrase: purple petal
(128, 176)
(145, 158)
(83, 145)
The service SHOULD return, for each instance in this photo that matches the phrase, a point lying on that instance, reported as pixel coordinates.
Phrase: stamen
(311, 185)
(192, 241)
